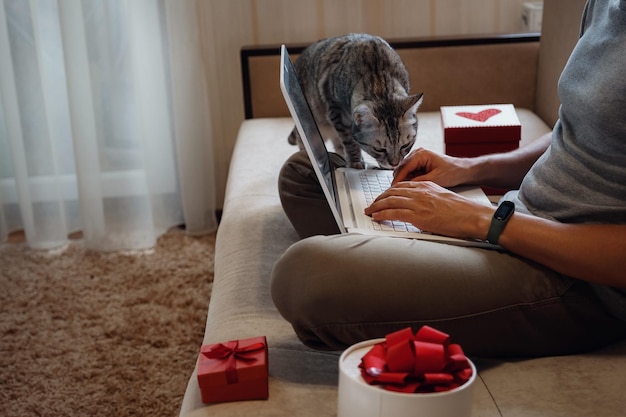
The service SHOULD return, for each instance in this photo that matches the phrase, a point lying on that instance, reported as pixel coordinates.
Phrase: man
(560, 286)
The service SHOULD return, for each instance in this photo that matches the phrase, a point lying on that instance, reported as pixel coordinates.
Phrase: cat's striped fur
(357, 87)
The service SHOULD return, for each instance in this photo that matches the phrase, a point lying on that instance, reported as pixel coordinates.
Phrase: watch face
(505, 210)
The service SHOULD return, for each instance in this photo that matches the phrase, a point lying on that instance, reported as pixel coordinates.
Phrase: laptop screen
(305, 122)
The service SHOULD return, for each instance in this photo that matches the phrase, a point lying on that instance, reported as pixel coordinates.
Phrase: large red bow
(424, 362)
(232, 352)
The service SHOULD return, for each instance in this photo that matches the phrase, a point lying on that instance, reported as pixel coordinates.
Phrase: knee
(289, 278)
(295, 168)
(299, 278)
(298, 170)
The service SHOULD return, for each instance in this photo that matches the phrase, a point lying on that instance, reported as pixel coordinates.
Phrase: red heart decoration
(482, 116)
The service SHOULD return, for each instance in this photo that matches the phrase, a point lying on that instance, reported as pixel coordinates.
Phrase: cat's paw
(294, 138)
(372, 165)
(357, 165)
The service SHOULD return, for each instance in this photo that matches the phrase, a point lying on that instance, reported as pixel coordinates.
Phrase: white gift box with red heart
(475, 130)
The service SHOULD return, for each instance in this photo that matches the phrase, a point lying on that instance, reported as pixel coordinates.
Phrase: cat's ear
(362, 115)
(412, 103)
(410, 106)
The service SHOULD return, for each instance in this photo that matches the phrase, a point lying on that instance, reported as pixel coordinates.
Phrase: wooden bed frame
(478, 70)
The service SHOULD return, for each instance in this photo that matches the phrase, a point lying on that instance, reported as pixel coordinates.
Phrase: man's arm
(504, 170)
(591, 252)
(507, 170)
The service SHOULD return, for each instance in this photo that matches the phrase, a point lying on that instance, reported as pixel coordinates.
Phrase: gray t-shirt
(582, 176)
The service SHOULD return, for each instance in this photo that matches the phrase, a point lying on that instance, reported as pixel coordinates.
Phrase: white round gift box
(359, 399)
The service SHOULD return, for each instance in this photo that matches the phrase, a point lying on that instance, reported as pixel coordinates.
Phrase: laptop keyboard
(373, 185)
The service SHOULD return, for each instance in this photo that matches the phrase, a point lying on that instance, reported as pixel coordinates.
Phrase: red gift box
(480, 129)
(234, 371)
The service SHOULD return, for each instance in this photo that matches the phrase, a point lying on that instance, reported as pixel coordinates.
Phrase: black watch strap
(500, 218)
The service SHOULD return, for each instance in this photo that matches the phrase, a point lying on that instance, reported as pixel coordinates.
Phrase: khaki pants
(339, 289)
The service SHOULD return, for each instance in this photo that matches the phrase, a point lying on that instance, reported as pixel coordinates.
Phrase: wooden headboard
(449, 71)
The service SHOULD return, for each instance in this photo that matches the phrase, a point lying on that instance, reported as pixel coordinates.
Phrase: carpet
(85, 333)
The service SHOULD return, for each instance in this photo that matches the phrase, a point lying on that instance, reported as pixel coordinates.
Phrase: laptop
(347, 190)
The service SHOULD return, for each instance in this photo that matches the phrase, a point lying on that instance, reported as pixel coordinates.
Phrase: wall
(230, 24)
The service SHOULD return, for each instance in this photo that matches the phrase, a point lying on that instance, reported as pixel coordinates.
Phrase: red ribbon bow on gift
(232, 352)
(424, 362)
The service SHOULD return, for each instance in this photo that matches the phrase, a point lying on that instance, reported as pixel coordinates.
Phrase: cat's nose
(393, 162)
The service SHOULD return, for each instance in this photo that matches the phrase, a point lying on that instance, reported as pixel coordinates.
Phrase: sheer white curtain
(104, 122)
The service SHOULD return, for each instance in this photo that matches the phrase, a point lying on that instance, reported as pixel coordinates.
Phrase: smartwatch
(502, 215)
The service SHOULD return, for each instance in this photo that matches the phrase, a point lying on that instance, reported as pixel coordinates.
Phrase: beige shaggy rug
(94, 334)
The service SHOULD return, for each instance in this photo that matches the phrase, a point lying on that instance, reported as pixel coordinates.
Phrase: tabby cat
(357, 87)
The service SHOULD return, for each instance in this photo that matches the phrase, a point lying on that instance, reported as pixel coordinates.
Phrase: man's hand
(432, 208)
(425, 165)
